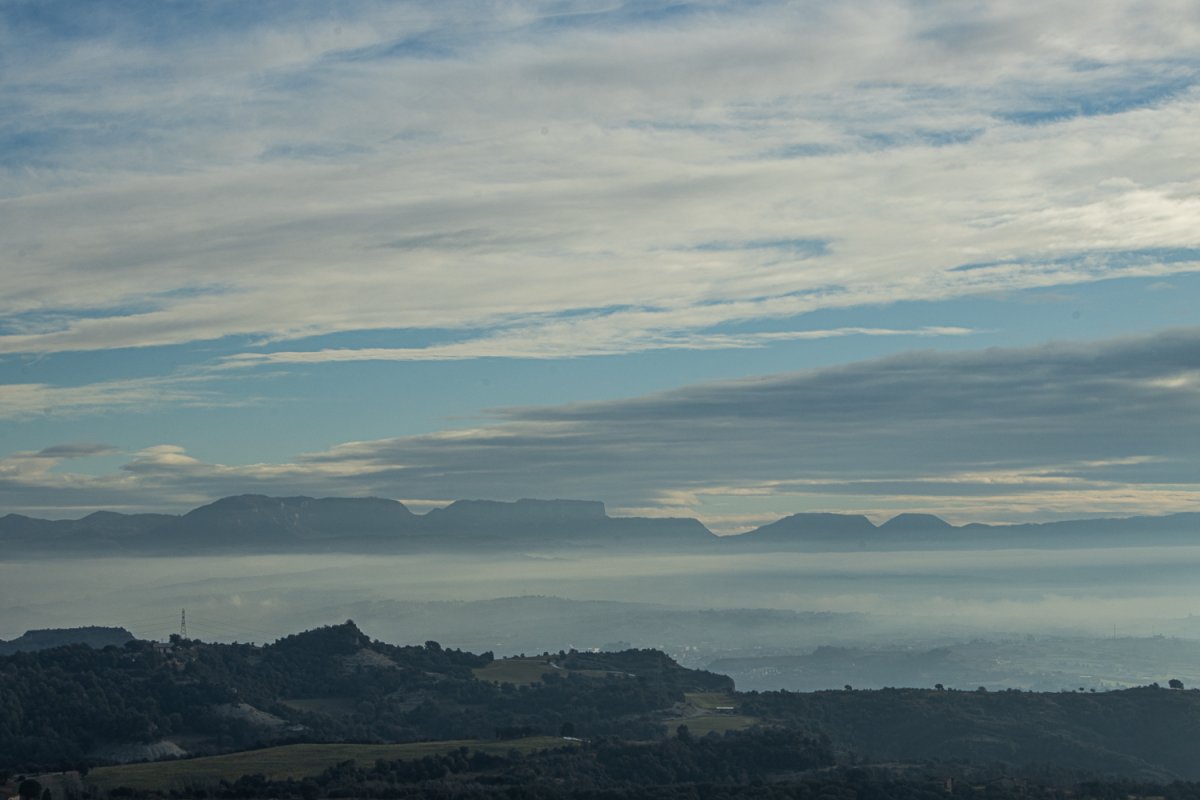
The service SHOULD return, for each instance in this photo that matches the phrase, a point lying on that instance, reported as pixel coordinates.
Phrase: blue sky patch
(1046, 108)
(806, 248)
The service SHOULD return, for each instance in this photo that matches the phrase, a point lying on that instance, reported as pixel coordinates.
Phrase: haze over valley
(610, 367)
(798, 604)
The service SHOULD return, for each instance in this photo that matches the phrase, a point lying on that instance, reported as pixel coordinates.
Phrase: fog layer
(700, 608)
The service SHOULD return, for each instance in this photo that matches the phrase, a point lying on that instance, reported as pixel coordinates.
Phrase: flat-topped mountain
(259, 524)
(287, 519)
(47, 638)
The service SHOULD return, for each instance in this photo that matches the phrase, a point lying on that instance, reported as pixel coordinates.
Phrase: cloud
(77, 450)
(1066, 429)
(549, 180)
(23, 401)
(990, 422)
(291, 171)
(589, 336)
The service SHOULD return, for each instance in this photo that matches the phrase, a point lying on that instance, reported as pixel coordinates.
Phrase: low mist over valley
(581, 399)
(788, 606)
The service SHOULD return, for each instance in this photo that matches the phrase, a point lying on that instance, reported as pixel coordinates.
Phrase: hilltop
(78, 706)
(47, 638)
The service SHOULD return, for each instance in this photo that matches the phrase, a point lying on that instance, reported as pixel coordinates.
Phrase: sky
(731, 260)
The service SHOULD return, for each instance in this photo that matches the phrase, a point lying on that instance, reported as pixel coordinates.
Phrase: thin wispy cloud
(23, 401)
(1065, 430)
(445, 166)
(563, 339)
(76, 450)
(404, 213)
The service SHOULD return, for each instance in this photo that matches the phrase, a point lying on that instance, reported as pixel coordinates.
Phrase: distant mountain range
(256, 523)
(854, 531)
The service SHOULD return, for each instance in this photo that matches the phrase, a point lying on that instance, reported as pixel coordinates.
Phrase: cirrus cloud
(286, 172)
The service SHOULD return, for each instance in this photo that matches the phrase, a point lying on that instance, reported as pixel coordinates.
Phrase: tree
(29, 789)
(1175, 683)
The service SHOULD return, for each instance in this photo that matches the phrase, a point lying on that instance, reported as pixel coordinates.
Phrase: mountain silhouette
(915, 522)
(253, 523)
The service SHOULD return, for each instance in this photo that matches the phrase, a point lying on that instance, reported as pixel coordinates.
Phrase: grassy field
(706, 723)
(710, 700)
(333, 706)
(719, 721)
(289, 761)
(530, 670)
(516, 670)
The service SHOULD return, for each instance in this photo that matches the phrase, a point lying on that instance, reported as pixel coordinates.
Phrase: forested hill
(46, 638)
(1148, 732)
(77, 705)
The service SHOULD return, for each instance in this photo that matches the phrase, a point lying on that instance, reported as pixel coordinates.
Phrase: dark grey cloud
(1060, 429)
(77, 450)
(1109, 411)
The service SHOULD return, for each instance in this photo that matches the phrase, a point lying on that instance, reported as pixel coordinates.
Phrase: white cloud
(412, 167)
(23, 401)
(606, 335)
(1028, 433)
